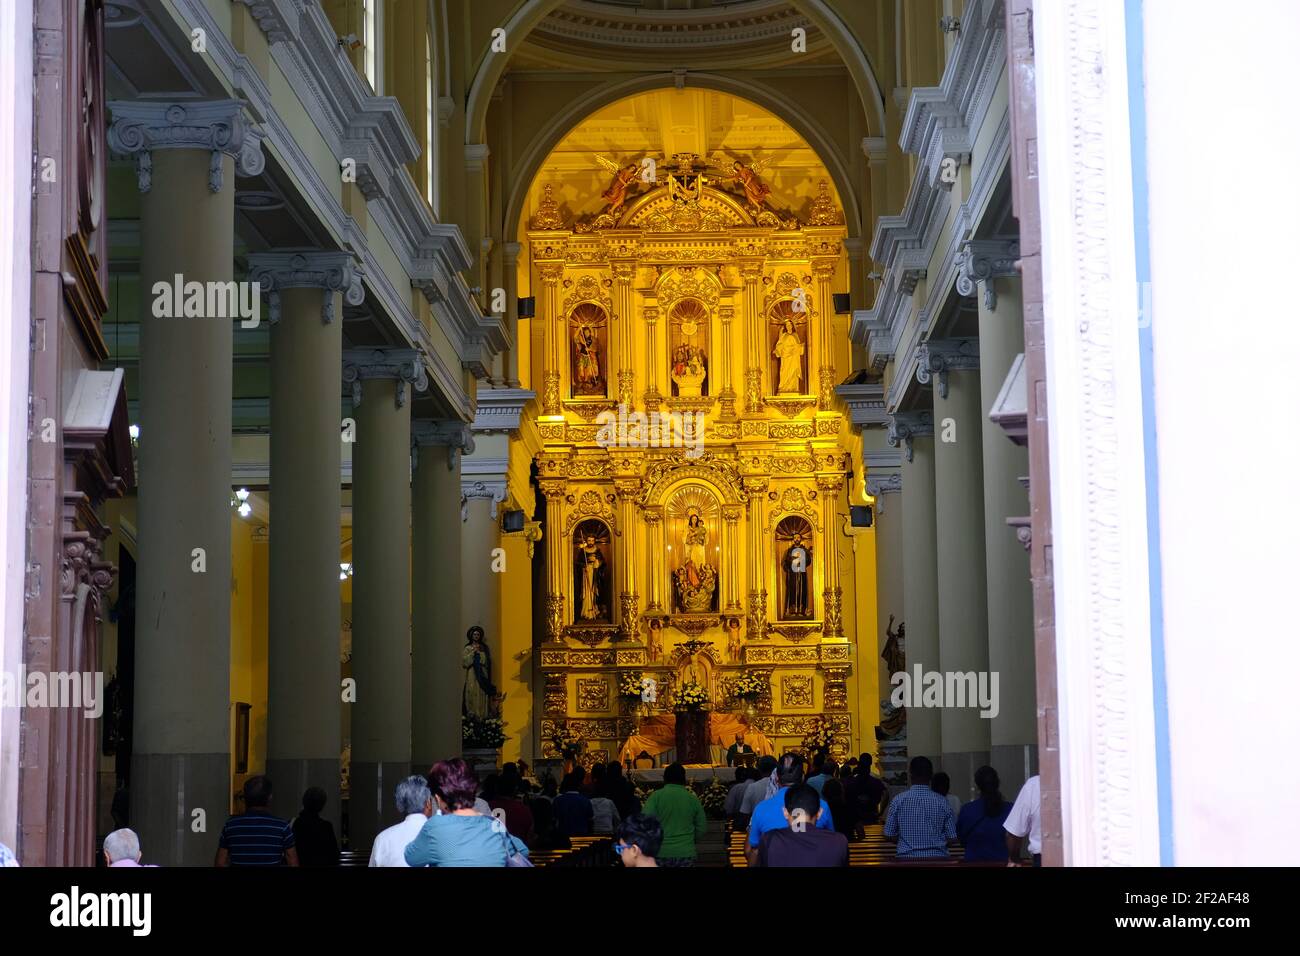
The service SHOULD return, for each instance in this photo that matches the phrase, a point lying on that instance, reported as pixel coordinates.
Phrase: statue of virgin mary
(476, 699)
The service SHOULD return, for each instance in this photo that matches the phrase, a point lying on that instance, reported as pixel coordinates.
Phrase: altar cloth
(658, 734)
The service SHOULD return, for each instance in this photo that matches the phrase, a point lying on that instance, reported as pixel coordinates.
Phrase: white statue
(789, 352)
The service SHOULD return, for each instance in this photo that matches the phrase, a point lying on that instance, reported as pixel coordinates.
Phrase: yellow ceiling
(663, 122)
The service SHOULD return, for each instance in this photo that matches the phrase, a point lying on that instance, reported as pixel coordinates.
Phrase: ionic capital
(216, 126)
(983, 260)
(404, 365)
(905, 426)
(935, 359)
(307, 269)
(454, 435)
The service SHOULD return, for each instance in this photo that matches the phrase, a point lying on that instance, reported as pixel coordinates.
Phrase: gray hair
(122, 845)
(412, 794)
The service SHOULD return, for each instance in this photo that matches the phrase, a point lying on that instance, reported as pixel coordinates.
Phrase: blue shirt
(574, 813)
(923, 823)
(981, 834)
(256, 838)
(450, 839)
(770, 815)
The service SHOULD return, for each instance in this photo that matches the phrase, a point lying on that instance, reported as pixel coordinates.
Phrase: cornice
(866, 403)
(500, 409)
(1010, 409)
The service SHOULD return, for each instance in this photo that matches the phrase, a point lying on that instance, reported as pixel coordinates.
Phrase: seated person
(770, 814)
(919, 820)
(638, 840)
(801, 842)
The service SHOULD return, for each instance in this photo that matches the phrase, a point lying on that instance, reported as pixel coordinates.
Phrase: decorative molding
(905, 426)
(307, 268)
(404, 365)
(983, 260)
(935, 359)
(866, 403)
(277, 20)
(500, 409)
(221, 127)
(454, 435)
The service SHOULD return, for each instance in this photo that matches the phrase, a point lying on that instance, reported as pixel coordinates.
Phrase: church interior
(565, 382)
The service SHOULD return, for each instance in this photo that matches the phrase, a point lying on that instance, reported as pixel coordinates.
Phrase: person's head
(257, 792)
(742, 774)
(509, 769)
(766, 764)
(832, 791)
(789, 772)
(940, 783)
(121, 845)
(740, 740)
(675, 773)
(802, 806)
(613, 772)
(572, 783)
(549, 786)
(523, 767)
(988, 784)
(313, 801)
(818, 762)
(847, 771)
(864, 764)
(597, 771)
(413, 796)
(830, 767)
(920, 770)
(454, 785)
(638, 839)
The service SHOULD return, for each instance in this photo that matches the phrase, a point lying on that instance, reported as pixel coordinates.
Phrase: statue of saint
(756, 191)
(616, 194)
(695, 541)
(894, 654)
(476, 699)
(797, 567)
(587, 379)
(591, 579)
(789, 353)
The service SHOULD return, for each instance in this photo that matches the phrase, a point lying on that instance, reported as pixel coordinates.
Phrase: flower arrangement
(713, 797)
(629, 685)
(690, 696)
(482, 733)
(748, 686)
(819, 737)
(567, 741)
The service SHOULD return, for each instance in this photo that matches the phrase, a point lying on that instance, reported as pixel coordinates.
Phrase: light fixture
(239, 501)
(245, 509)
(345, 570)
(134, 432)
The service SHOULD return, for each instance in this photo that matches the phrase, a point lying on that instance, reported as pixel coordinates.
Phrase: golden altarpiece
(693, 454)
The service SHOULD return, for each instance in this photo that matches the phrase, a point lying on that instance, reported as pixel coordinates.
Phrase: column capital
(936, 358)
(905, 426)
(876, 149)
(882, 484)
(307, 269)
(217, 126)
(404, 365)
(510, 252)
(454, 435)
(551, 273)
(624, 271)
(474, 486)
(982, 260)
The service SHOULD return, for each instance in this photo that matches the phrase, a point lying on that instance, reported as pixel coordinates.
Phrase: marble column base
(1015, 763)
(371, 801)
(961, 767)
(291, 778)
(166, 789)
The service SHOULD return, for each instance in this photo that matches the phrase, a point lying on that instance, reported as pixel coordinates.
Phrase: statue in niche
(789, 355)
(479, 694)
(587, 379)
(796, 569)
(690, 363)
(696, 579)
(590, 567)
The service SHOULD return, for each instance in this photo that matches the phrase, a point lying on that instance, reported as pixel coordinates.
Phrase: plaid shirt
(923, 823)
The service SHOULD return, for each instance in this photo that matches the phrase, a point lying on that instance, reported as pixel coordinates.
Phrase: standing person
(572, 809)
(735, 750)
(826, 770)
(638, 841)
(920, 821)
(1026, 819)
(313, 836)
(459, 835)
(865, 792)
(843, 817)
(415, 804)
(256, 837)
(942, 785)
(735, 794)
(802, 841)
(604, 814)
(681, 815)
(122, 849)
(770, 814)
(979, 824)
(619, 789)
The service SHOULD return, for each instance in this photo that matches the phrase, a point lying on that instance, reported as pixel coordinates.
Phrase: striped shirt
(256, 838)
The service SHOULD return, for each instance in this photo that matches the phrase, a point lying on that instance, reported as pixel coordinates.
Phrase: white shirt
(1026, 815)
(390, 845)
(955, 803)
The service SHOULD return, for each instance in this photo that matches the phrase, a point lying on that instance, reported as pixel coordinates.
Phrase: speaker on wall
(842, 306)
(860, 516)
(528, 307)
(512, 521)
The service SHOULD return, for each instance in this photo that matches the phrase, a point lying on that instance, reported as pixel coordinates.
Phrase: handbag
(513, 856)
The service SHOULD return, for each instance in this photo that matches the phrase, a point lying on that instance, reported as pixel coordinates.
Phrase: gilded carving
(796, 690)
(593, 694)
(835, 692)
(556, 700)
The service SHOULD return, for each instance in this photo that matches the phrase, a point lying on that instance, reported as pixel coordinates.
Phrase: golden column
(824, 270)
(624, 272)
(551, 273)
(629, 600)
(727, 398)
(756, 620)
(652, 396)
(654, 555)
(731, 515)
(555, 541)
(751, 271)
(829, 488)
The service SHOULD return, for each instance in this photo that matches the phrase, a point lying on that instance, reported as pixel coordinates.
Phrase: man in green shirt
(681, 815)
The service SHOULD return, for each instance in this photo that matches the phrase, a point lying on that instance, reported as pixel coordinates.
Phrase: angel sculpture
(756, 191)
(624, 177)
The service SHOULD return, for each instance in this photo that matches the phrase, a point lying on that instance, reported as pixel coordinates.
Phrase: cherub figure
(624, 177)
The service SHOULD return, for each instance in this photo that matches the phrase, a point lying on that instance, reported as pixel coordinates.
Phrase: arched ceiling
(661, 123)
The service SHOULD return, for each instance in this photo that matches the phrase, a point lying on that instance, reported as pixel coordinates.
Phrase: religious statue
(587, 379)
(590, 565)
(894, 653)
(696, 578)
(756, 191)
(797, 567)
(624, 177)
(789, 353)
(479, 692)
(689, 369)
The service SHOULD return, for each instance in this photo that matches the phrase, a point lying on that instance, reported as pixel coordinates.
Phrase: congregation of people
(792, 815)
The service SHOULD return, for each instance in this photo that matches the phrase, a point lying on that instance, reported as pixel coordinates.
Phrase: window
(430, 121)
(372, 28)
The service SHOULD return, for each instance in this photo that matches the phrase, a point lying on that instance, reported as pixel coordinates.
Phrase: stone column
(186, 157)
(913, 433)
(1014, 731)
(624, 272)
(551, 273)
(381, 583)
(436, 634)
(751, 271)
(952, 366)
(885, 485)
(303, 695)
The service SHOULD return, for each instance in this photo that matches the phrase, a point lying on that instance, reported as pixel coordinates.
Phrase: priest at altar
(658, 734)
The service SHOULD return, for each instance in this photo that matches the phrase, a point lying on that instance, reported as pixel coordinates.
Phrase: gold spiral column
(824, 270)
(554, 492)
(727, 397)
(652, 396)
(629, 600)
(756, 616)
(624, 272)
(551, 273)
(829, 488)
(755, 340)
